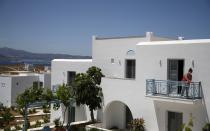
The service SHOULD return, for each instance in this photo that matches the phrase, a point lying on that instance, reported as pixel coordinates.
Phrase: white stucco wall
(5, 90)
(132, 93)
(59, 70)
(19, 84)
(149, 56)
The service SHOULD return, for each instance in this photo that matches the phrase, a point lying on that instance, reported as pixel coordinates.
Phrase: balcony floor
(175, 99)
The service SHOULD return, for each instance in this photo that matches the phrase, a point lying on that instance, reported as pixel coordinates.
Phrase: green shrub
(7, 128)
(30, 111)
(46, 110)
(206, 127)
(189, 125)
(57, 122)
(18, 127)
(13, 108)
(38, 123)
(46, 118)
(34, 110)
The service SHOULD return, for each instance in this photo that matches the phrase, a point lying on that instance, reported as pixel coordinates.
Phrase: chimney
(180, 38)
(149, 35)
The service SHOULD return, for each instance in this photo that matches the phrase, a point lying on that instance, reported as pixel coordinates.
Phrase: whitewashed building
(14, 83)
(142, 79)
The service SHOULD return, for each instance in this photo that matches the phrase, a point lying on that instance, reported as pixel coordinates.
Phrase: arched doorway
(117, 115)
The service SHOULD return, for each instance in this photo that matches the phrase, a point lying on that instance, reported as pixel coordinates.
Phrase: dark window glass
(35, 84)
(130, 68)
(70, 77)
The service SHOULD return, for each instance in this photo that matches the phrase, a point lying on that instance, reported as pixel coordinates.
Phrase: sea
(27, 61)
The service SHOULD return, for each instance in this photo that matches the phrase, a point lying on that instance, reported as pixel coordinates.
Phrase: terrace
(173, 89)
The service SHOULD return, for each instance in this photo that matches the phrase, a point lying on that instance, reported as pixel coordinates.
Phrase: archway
(117, 115)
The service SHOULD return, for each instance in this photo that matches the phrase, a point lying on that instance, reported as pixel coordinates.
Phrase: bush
(137, 124)
(34, 110)
(206, 127)
(13, 108)
(38, 123)
(46, 118)
(18, 127)
(57, 122)
(7, 128)
(46, 110)
(30, 111)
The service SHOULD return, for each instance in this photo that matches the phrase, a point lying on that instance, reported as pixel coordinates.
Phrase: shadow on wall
(198, 110)
(117, 115)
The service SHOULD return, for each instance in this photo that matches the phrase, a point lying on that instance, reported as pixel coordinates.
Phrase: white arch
(115, 115)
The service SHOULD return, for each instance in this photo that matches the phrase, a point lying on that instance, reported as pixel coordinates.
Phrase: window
(112, 60)
(37, 84)
(70, 76)
(130, 68)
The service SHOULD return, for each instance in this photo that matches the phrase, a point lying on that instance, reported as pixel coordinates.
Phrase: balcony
(173, 89)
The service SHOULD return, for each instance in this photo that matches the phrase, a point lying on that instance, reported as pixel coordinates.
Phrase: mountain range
(8, 55)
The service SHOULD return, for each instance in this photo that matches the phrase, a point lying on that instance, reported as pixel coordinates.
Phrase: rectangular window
(37, 84)
(70, 77)
(130, 69)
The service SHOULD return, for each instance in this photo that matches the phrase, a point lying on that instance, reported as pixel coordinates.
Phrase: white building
(16, 82)
(142, 77)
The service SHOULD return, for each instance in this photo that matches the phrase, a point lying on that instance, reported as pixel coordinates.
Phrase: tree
(30, 96)
(65, 95)
(87, 90)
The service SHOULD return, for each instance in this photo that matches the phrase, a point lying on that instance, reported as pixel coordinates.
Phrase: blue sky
(67, 26)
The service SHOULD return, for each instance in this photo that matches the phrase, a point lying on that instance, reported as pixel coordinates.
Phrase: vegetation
(189, 125)
(87, 90)
(31, 96)
(6, 118)
(206, 127)
(65, 95)
(46, 118)
(137, 124)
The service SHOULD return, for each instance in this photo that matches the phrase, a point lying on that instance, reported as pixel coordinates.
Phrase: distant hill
(9, 54)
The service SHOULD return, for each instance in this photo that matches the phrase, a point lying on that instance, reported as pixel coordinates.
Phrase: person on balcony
(187, 78)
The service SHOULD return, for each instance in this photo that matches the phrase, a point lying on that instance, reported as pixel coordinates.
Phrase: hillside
(9, 54)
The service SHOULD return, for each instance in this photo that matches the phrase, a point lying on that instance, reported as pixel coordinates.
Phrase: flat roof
(117, 37)
(73, 60)
(194, 41)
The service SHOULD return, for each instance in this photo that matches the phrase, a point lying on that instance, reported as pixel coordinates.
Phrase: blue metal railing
(178, 89)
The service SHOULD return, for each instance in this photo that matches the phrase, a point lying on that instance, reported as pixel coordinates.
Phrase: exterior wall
(151, 63)
(46, 79)
(5, 90)
(105, 49)
(59, 71)
(19, 84)
(148, 63)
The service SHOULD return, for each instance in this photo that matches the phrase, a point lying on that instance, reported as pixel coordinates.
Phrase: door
(175, 73)
(175, 69)
(175, 121)
(71, 114)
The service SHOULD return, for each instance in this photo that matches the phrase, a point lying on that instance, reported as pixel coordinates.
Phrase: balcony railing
(177, 89)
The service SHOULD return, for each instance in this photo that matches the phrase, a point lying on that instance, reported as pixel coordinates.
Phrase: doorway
(176, 71)
(175, 121)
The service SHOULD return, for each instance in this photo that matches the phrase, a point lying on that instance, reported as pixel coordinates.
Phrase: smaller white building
(14, 83)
